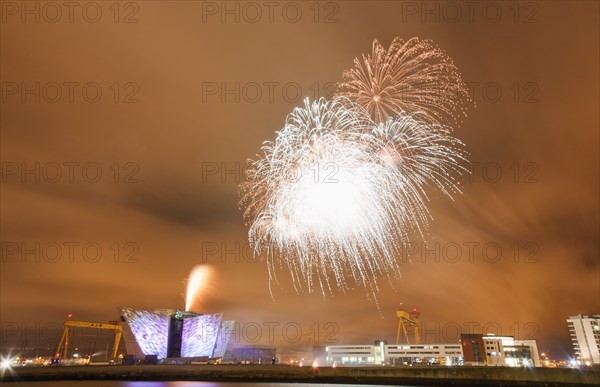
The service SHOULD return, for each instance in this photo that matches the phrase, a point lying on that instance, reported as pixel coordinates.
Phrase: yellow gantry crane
(63, 345)
(408, 320)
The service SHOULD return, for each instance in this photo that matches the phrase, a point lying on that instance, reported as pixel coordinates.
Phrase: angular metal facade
(169, 333)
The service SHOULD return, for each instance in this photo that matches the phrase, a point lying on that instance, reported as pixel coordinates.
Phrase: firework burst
(336, 194)
(411, 76)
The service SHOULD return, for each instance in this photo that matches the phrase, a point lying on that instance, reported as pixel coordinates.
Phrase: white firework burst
(336, 194)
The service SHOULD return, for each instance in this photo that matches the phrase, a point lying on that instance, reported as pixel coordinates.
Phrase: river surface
(120, 383)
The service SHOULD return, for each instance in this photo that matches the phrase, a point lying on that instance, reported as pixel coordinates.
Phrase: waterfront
(255, 374)
(114, 383)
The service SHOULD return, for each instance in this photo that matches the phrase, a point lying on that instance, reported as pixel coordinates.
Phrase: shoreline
(421, 376)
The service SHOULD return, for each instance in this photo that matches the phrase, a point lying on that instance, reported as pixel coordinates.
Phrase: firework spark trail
(197, 285)
(411, 76)
(336, 193)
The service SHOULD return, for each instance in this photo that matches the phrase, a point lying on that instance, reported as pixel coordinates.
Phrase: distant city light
(6, 364)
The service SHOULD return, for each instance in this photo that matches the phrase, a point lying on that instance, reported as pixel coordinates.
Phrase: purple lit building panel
(149, 329)
(175, 333)
(200, 335)
(225, 333)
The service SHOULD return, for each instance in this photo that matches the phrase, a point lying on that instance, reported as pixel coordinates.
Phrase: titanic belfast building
(173, 333)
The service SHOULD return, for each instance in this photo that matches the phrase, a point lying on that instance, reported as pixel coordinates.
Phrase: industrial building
(522, 353)
(174, 334)
(250, 354)
(585, 335)
(353, 355)
(395, 354)
(177, 336)
(473, 349)
(492, 350)
(443, 354)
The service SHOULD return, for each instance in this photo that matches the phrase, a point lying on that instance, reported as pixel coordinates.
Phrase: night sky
(171, 142)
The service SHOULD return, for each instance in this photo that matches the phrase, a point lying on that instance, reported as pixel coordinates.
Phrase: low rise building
(443, 354)
(397, 354)
(353, 355)
(495, 350)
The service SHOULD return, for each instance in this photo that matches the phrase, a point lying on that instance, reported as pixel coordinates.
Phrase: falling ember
(197, 285)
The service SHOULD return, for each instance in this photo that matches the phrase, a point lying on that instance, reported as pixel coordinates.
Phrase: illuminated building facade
(585, 335)
(442, 354)
(522, 353)
(353, 354)
(495, 350)
(173, 333)
(397, 354)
